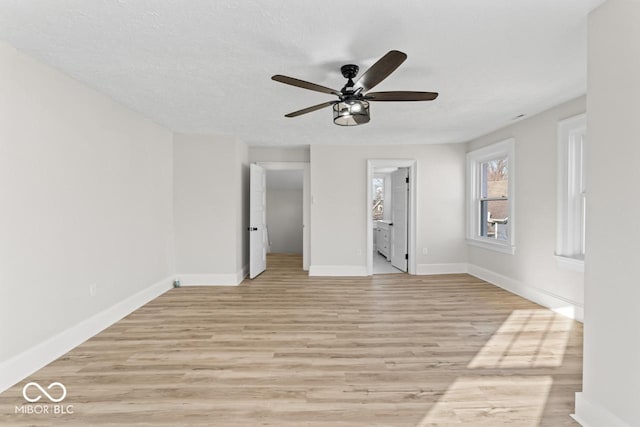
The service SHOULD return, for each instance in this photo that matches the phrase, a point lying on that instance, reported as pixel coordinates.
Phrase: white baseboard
(589, 414)
(543, 297)
(450, 268)
(24, 364)
(242, 274)
(231, 279)
(337, 270)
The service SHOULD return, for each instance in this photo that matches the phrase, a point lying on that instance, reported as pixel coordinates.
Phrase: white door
(399, 218)
(257, 221)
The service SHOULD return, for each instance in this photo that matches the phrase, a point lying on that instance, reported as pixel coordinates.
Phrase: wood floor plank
(290, 350)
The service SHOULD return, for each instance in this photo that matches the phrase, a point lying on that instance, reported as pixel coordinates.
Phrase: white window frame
(570, 233)
(475, 158)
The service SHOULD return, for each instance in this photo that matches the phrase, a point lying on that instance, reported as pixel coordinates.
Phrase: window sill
(569, 263)
(491, 244)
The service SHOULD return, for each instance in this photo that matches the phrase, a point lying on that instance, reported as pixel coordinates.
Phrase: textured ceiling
(205, 66)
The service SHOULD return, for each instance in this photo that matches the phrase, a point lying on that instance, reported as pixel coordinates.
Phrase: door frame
(306, 191)
(412, 164)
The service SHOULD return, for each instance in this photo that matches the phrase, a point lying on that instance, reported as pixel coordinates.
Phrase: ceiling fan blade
(310, 109)
(401, 95)
(305, 85)
(380, 70)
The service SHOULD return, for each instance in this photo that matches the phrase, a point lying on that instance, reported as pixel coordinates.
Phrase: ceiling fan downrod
(349, 71)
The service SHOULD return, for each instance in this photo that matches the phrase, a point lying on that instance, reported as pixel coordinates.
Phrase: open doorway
(391, 216)
(279, 211)
(284, 211)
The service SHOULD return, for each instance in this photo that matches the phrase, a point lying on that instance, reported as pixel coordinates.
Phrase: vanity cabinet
(383, 238)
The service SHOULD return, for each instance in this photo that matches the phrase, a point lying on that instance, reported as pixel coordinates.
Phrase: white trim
(337, 270)
(412, 164)
(569, 263)
(306, 202)
(474, 158)
(449, 268)
(543, 297)
(231, 279)
(29, 361)
(486, 243)
(589, 414)
(241, 274)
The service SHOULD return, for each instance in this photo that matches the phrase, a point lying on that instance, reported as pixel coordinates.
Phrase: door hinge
(406, 180)
(406, 256)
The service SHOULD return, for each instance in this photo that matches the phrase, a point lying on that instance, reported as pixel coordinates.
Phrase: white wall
(210, 208)
(611, 383)
(339, 209)
(533, 271)
(284, 219)
(86, 190)
(279, 154)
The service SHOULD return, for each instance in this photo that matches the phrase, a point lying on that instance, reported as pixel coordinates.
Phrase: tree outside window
(378, 198)
(494, 199)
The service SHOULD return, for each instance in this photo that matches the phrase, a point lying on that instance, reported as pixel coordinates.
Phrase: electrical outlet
(93, 289)
(425, 251)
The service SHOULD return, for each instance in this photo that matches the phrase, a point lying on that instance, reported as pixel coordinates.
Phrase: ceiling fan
(352, 106)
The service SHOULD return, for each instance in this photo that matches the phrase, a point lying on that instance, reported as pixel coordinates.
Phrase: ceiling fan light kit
(351, 113)
(352, 108)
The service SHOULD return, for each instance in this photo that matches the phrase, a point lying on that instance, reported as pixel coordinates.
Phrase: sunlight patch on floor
(527, 339)
(491, 401)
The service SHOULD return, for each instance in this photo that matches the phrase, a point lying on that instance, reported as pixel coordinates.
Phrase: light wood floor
(289, 350)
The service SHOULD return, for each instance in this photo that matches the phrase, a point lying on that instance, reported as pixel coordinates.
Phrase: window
(490, 197)
(378, 198)
(570, 245)
(494, 198)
